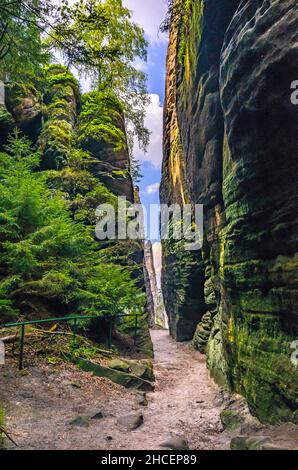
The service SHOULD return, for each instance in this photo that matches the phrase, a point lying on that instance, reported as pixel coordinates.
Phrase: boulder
(24, 104)
(231, 419)
(97, 415)
(142, 399)
(117, 364)
(121, 378)
(175, 443)
(80, 421)
(131, 422)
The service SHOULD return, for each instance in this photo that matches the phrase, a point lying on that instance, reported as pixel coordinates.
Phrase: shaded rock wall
(238, 139)
(259, 243)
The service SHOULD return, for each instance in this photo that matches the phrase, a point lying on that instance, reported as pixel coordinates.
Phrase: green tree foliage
(109, 44)
(101, 118)
(22, 52)
(45, 255)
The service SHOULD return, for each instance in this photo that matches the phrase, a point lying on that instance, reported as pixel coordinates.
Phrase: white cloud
(152, 188)
(149, 14)
(154, 122)
(157, 253)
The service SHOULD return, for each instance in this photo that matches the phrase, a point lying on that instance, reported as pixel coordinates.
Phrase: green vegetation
(21, 49)
(106, 44)
(48, 261)
(60, 93)
(188, 15)
(101, 119)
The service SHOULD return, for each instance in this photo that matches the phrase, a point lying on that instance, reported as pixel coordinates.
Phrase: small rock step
(127, 380)
(131, 422)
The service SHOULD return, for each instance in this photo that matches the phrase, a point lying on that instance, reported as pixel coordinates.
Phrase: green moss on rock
(61, 93)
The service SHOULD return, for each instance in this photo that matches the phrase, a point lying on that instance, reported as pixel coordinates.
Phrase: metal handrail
(60, 319)
(69, 318)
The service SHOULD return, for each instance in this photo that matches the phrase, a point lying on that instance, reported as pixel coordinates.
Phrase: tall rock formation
(54, 115)
(151, 283)
(230, 67)
(155, 305)
(182, 271)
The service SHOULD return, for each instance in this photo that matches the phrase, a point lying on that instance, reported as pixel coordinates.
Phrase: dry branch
(3, 431)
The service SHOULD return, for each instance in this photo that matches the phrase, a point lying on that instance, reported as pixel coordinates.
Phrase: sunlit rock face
(151, 283)
(232, 74)
(182, 271)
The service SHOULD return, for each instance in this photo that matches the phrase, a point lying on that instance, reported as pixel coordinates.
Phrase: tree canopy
(96, 37)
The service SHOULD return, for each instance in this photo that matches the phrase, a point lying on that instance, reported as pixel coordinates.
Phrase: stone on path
(142, 399)
(121, 378)
(97, 415)
(80, 421)
(175, 443)
(131, 422)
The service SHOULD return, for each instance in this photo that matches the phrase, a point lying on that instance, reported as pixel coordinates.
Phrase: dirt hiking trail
(52, 407)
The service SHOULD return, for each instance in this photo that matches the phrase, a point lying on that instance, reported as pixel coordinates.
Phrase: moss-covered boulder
(127, 380)
(61, 94)
(120, 365)
(24, 103)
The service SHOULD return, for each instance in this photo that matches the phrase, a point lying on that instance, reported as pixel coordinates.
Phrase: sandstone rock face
(24, 105)
(60, 101)
(151, 283)
(259, 242)
(111, 166)
(182, 273)
(235, 63)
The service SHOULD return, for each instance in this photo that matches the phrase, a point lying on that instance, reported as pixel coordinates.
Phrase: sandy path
(41, 405)
(186, 402)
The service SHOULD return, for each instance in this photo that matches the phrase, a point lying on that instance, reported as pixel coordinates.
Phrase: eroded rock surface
(230, 67)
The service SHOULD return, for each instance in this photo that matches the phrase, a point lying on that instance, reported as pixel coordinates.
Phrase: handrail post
(22, 340)
(74, 337)
(136, 330)
(110, 334)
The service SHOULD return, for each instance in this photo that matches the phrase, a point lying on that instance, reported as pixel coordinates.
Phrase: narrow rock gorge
(230, 143)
